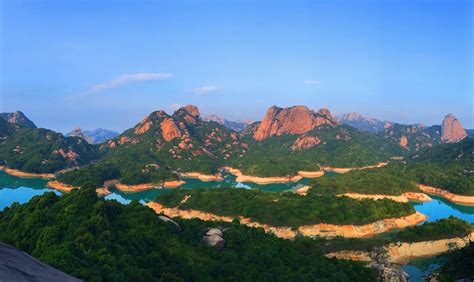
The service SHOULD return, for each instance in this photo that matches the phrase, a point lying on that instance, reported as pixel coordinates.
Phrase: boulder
(215, 231)
(215, 241)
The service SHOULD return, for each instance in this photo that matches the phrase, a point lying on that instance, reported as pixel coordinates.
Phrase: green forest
(37, 150)
(459, 265)
(285, 209)
(102, 240)
(367, 181)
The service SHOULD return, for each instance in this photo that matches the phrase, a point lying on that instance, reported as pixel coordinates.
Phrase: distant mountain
(296, 138)
(361, 122)
(39, 150)
(18, 119)
(470, 132)
(95, 136)
(418, 136)
(234, 125)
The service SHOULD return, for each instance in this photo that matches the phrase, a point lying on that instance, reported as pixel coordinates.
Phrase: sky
(110, 63)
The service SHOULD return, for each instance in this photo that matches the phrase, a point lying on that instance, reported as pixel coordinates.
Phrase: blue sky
(110, 63)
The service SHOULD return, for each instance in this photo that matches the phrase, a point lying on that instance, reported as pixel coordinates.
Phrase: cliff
(293, 120)
(452, 130)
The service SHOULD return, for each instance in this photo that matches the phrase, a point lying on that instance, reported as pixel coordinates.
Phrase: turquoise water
(419, 269)
(437, 209)
(21, 190)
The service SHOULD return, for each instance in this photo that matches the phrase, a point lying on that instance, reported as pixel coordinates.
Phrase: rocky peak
(324, 112)
(18, 118)
(452, 130)
(215, 118)
(192, 110)
(292, 120)
(77, 132)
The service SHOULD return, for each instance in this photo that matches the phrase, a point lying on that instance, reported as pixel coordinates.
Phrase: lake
(21, 190)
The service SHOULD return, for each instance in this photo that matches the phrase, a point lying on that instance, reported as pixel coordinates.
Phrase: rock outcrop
(170, 130)
(305, 142)
(18, 119)
(452, 130)
(292, 120)
(192, 110)
(16, 265)
(214, 238)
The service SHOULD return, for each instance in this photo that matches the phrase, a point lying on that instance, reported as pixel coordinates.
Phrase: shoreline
(273, 179)
(200, 176)
(66, 188)
(320, 229)
(24, 174)
(455, 198)
(403, 252)
(347, 169)
(403, 198)
(148, 186)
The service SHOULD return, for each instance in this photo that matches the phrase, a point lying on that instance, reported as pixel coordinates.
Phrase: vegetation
(367, 181)
(285, 209)
(446, 166)
(39, 151)
(459, 265)
(96, 240)
(143, 157)
(339, 147)
(450, 227)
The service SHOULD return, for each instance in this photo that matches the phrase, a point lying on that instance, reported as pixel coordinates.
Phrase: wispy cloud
(126, 79)
(309, 81)
(205, 89)
(175, 106)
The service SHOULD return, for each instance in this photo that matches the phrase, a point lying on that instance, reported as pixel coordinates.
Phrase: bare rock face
(18, 118)
(169, 129)
(452, 130)
(404, 141)
(305, 142)
(292, 120)
(192, 110)
(214, 238)
(16, 265)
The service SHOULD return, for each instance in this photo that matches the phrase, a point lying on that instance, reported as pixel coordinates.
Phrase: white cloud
(309, 81)
(126, 79)
(204, 89)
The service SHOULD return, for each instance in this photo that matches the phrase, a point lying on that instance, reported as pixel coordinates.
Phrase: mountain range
(285, 141)
(234, 125)
(95, 136)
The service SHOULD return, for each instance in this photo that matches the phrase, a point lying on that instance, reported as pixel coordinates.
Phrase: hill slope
(95, 239)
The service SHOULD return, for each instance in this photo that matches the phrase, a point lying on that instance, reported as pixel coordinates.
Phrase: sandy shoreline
(321, 229)
(455, 198)
(402, 253)
(66, 188)
(403, 198)
(275, 179)
(200, 176)
(19, 173)
(347, 169)
(148, 186)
